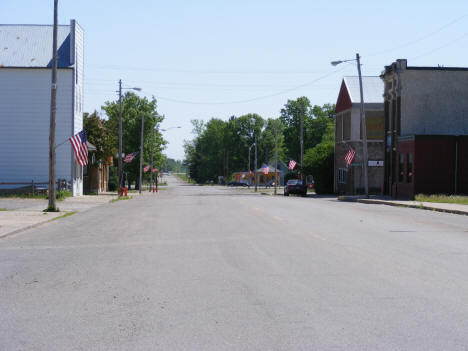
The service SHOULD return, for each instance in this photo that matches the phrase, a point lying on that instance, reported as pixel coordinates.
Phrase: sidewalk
(433, 206)
(19, 214)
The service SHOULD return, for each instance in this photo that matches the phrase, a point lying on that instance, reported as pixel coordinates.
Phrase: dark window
(409, 167)
(401, 169)
(346, 125)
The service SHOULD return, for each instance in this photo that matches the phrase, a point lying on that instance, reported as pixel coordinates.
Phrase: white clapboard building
(25, 82)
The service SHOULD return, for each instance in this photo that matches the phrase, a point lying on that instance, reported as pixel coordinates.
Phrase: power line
(251, 99)
(424, 37)
(440, 47)
(199, 71)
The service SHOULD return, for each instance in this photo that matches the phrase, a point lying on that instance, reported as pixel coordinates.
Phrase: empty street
(212, 268)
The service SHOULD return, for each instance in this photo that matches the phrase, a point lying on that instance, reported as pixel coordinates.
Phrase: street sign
(375, 163)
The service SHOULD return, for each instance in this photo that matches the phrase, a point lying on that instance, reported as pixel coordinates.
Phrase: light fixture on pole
(120, 130)
(165, 130)
(363, 121)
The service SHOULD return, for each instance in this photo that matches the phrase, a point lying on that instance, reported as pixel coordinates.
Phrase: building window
(347, 126)
(339, 128)
(409, 168)
(342, 175)
(401, 169)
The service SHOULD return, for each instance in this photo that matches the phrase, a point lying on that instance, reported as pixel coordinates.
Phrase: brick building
(349, 179)
(426, 127)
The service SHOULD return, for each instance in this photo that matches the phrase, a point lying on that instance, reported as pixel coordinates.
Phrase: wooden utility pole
(53, 110)
(255, 169)
(276, 156)
(120, 138)
(152, 157)
(141, 151)
(302, 143)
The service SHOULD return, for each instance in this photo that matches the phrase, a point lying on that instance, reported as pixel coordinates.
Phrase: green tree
(133, 107)
(98, 133)
(319, 161)
(315, 120)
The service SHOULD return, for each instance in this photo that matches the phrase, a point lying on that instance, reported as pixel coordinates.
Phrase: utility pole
(364, 131)
(276, 156)
(255, 170)
(141, 151)
(250, 147)
(151, 170)
(120, 135)
(302, 142)
(53, 110)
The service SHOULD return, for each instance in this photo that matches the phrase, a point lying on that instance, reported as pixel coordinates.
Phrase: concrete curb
(31, 226)
(422, 207)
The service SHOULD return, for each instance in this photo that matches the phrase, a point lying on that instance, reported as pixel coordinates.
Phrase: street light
(120, 129)
(363, 121)
(165, 130)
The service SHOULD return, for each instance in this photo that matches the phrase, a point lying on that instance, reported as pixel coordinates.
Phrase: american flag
(292, 164)
(146, 169)
(80, 147)
(154, 170)
(349, 156)
(130, 157)
(265, 169)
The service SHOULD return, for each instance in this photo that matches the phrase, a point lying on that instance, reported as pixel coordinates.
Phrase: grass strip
(68, 214)
(449, 199)
(120, 198)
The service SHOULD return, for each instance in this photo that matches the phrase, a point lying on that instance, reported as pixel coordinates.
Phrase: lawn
(59, 195)
(450, 199)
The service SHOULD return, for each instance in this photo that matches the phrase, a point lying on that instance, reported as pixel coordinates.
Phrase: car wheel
(286, 194)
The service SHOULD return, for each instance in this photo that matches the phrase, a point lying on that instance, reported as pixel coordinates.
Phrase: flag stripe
(80, 147)
(349, 156)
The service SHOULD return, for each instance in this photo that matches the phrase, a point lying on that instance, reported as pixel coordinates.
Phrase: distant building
(348, 134)
(426, 127)
(25, 83)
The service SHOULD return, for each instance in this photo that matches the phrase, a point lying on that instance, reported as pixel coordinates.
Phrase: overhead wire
(422, 38)
(251, 99)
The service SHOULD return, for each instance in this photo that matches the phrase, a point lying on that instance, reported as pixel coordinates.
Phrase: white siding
(77, 53)
(24, 124)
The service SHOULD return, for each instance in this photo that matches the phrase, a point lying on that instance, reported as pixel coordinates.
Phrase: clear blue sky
(218, 55)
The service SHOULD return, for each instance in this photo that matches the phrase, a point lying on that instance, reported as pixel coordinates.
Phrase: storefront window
(409, 168)
(401, 169)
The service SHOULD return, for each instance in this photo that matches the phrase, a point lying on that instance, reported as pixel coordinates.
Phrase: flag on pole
(154, 170)
(80, 147)
(130, 157)
(292, 164)
(349, 156)
(265, 169)
(146, 169)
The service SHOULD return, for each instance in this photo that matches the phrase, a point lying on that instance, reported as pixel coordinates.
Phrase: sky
(206, 58)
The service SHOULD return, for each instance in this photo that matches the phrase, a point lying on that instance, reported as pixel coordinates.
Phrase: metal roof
(31, 45)
(373, 89)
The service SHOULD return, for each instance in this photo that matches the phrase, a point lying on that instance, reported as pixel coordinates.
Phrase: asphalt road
(211, 268)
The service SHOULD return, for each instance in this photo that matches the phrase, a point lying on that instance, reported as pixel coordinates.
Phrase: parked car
(295, 186)
(234, 183)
